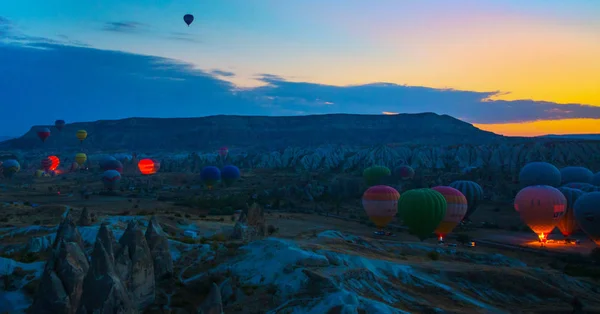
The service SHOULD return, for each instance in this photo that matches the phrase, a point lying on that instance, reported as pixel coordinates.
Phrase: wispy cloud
(123, 27)
(179, 36)
(10, 33)
(222, 73)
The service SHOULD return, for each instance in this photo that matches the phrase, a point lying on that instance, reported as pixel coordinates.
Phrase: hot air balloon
(188, 19)
(46, 164)
(10, 167)
(74, 167)
(111, 179)
(587, 214)
(567, 224)
(148, 166)
(81, 135)
(374, 175)
(381, 204)
(210, 175)
(422, 211)
(156, 165)
(230, 174)
(539, 173)
(541, 207)
(575, 174)
(472, 191)
(55, 162)
(113, 165)
(586, 187)
(456, 208)
(43, 134)
(59, 124)
(80, 159)
(223, 152)
(104, 160)
(596, 179)
(405, 172)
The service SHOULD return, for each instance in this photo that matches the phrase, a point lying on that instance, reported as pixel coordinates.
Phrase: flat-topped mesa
(103, 290)
(159, 249)
(135, 266)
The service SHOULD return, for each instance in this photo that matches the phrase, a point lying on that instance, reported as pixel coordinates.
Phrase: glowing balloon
(472, 191)
(230, 174)
(422, 211)
(43, 134)
(147, 166)
(587, 214)
(381, 204)
(539, 173)
(210, 176)
(55, 162)
(59, 124)
(541, 207)
(374, 175)
(188, 19)
(456, 208)
(80, 159)
(568, 224)
(405, 172)
(10, 167)
(81, 135)
(111, 179)
(575, 174)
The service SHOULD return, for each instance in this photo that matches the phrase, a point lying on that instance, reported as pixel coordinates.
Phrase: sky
(508, 66)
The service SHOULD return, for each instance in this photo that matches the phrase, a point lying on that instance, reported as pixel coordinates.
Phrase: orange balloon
(55, 162)
(541, 207)
(147, 166)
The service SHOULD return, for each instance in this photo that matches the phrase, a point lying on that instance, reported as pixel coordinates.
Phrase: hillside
(260, 132)
(574, 136)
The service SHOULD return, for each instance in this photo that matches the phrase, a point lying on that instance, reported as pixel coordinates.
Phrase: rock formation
(159, 249)
(103, 290)
(86, 218)
(61, 284)
(135, 267)
(252, 226)
(213, 303)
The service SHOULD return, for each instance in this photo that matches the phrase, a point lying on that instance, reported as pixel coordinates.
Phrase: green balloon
(422, 210)
(374, 175)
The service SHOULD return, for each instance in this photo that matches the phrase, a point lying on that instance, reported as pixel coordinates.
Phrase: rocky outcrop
(61, 284)
(135, 266)
(213, 304)
(159, 249)
(103, 290)
(251, 226)
(86, 218)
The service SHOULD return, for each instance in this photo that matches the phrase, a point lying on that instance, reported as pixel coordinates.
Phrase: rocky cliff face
(256, 132)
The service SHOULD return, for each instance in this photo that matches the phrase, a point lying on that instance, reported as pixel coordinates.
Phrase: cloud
(222, 73)
(123, 27)
(9, 33)
(179, 36)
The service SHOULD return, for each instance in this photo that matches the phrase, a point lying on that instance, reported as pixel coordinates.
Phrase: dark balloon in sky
(43, 134)
(188, 19)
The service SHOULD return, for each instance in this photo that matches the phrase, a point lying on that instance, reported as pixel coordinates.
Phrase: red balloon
(43, 134)
(541, 207)
(55, 162)
(223, 151)
(148, 166)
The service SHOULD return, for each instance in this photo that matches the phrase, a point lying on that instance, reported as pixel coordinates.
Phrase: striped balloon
(46, 164)
(111, 179)
(455, 210)
(567, 224)
(472, 191)
(381, 204)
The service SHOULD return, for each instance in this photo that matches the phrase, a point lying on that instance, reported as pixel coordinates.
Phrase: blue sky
(486, 62)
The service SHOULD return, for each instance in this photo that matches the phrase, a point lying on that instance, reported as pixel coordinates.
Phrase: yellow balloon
(81, 135)
(80, 158)
(39, 173)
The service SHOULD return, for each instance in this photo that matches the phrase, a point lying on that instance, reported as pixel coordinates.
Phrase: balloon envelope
(147, 166)
(10, 167)
(111, 179)
(210, 175)
(567, 224)
(113, 165)
(374, 175)
(405, 172)
(596, 179)
(230, 174)
(81, 135)
(587, 214)
(43, 134)
(456, 208)
(223, 151)
(586, 187)
(59, 124)
(188, 19)
(541, 207)
(576, 174)
(381, 204)
(422, 210)
(80, 159)
(55, 162)
(539, 173)
(472, 191)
